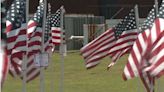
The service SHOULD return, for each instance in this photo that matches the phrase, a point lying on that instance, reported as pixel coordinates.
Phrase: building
(105, 8)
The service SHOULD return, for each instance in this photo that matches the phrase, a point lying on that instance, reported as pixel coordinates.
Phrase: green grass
(78, 79)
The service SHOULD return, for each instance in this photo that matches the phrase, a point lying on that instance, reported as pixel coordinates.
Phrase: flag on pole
(20, 47)
(55, 27)
(48, 47)
(146, 79)
(153, 62)
(97, 49)
(3, 54)
(138, 46)
(125, 42)
(155, 59)
(148, 23)
(34, 32)
(33, 40)
(16, 35)
(137, 59)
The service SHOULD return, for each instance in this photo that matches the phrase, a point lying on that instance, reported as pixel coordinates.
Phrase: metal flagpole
(136, 16)
(137, 25)
(116, 13)
(156, 7)
(61, 89)
(50, 57)
(24, 72)
(156, 12)
(42, 87)
(24, 66)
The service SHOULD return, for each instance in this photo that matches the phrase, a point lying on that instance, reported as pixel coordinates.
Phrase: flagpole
(136, 16)
(50, 60)
(156, 7)
(24, 66)
(116, 13)
(156, 12)
(24, 72)
(42, 79)
(61, 89)
(137, 25)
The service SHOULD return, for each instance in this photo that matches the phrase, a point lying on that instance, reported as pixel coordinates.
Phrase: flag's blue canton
(13, 15)
(161, 11)
(128, 23)
(148, 23)
(55, 19)
(48, 28)
(23, 11)
(38, 16)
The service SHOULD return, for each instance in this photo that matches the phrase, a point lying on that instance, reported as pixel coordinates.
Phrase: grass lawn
(78, 79)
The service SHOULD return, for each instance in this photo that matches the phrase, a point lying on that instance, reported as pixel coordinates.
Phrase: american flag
(135, 55)
(148, 23)
(56, 27)
(125, 39)
(16, 34)
(34, 41)
(125, 42)
(146, 79)
(154, 61)
(97, 49)
(137, 59)
(4, 60)
(48, 47)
